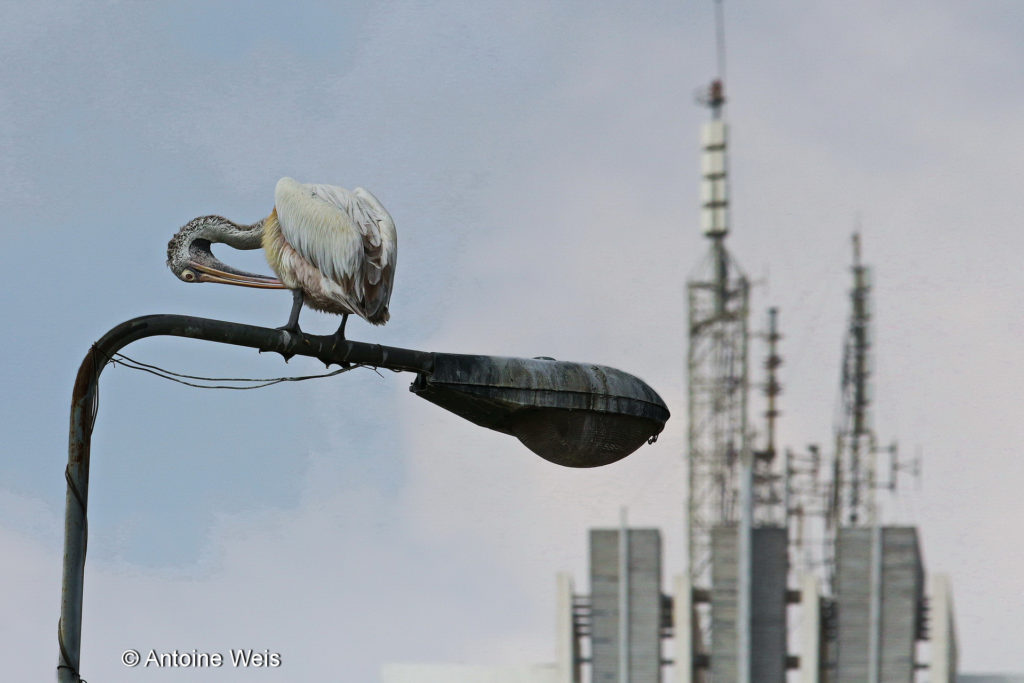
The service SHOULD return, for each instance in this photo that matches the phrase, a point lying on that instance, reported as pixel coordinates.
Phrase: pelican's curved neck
(233, 234)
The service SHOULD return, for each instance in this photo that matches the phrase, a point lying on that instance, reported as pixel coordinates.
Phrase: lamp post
(573, 414)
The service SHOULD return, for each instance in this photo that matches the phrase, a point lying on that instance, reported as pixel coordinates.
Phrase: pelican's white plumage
(338, 247)
(334, 249)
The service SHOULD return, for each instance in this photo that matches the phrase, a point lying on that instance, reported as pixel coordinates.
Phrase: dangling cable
(132, 364)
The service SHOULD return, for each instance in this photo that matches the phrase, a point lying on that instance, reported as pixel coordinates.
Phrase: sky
(541, 163)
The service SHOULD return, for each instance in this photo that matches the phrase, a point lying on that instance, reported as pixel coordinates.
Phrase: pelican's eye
(188, 276)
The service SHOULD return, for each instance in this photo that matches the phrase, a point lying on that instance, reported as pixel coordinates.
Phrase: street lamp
(573, 414)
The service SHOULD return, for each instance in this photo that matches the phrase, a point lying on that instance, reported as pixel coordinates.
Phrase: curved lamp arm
(85, 401)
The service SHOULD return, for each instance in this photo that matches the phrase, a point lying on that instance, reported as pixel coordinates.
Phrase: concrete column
(943, 631)
(565, 640)
(810, 630)
(682, 620)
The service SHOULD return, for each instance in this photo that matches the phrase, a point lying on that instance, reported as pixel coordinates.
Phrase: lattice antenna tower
(717, 379)
(795, 494)
(853, 503)
(770, 502)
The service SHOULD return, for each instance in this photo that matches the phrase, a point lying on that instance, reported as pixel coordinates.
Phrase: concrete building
(767, 604)
(625, 605)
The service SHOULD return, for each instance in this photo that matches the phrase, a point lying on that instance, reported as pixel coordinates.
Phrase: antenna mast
(720, 39)
(718, 295)
(855, 441)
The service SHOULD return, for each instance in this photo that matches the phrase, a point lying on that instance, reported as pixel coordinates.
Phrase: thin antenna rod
(720, 38)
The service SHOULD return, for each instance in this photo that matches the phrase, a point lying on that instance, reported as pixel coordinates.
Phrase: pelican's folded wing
(348, 236)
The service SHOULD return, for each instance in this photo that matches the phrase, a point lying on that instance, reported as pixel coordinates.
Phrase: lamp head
(572, 414)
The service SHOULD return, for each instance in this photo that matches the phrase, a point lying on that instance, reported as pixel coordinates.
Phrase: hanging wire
(256, 383)
(132, 364)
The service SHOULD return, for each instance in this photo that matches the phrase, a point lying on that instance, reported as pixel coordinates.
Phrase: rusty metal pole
(85, 401)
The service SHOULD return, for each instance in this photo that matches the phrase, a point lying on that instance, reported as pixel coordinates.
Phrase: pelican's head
(189, 256)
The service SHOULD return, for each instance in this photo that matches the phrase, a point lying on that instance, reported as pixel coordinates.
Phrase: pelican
(334, 248)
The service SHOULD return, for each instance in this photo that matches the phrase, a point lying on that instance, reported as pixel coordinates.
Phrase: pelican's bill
(208, 274)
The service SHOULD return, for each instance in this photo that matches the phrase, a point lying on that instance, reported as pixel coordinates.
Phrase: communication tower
(853, 500)
(770, 490)
(718, 298)
(736, 502)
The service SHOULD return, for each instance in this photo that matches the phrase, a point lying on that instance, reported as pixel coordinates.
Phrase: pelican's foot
(292, 328)
(292, 325)
(339, 336)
